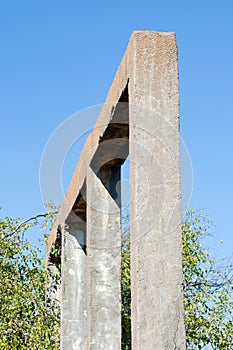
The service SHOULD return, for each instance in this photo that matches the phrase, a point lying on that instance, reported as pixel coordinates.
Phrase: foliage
(208, 287)
(125, 292)
(28, 318)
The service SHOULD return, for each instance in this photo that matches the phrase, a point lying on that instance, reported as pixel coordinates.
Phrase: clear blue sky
(58, 57)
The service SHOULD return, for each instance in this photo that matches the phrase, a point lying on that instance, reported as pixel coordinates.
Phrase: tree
(28, 318)
(208, 289)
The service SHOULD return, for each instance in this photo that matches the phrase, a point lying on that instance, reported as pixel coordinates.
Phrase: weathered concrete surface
(149, 71)
(156, 262)
(104, 266)
(74, 303)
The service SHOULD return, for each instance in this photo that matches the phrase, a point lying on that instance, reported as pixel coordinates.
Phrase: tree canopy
(28, 318)
(208, 289)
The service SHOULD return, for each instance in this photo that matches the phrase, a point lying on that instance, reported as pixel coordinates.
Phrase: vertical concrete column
(104, 261)
(73, 307)
(156, 239)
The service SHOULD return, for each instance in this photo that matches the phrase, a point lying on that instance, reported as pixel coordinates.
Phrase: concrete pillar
(74, 307)
(156, 260)
(104, 260)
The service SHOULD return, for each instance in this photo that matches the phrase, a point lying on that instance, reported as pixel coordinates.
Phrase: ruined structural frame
(140, 118)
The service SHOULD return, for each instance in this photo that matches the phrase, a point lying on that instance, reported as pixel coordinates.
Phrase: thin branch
(28, 220)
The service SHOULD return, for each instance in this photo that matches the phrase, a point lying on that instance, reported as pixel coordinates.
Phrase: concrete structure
(140, 118)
